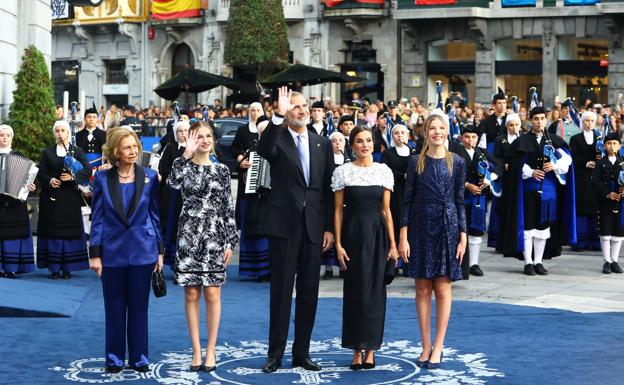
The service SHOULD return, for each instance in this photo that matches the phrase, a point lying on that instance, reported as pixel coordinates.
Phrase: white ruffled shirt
(349, 174)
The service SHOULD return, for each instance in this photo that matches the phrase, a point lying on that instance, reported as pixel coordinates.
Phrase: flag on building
(435, 2)
(518, 3)
(580, 2)
(333, 3)
(175, 9)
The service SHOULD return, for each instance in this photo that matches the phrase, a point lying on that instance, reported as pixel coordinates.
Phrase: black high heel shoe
(356, 367)
(423, 364)
(435, 365)
(369, 365)
(209, 369)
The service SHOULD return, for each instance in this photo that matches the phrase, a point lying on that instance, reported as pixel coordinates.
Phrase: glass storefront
(361, 61)
(583, 67)
(453, 63)
(519, 67)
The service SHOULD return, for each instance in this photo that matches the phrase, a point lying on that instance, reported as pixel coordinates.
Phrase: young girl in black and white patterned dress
(206, 235)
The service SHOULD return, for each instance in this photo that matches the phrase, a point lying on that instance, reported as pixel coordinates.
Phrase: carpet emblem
(240, 364)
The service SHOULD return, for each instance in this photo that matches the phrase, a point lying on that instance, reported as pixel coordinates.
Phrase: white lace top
(350, 174)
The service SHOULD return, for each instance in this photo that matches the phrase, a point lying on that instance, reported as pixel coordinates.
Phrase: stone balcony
(109, 12)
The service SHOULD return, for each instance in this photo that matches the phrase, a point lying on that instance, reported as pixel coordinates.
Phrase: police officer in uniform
(131, 120)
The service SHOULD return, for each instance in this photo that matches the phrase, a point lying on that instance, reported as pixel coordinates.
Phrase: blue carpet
(486, 343)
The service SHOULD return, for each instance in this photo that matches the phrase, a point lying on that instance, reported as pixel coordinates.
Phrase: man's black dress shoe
(66, 275)
(113, 369)
(271, 365)
(476, 271)
(11, 275)
(306, 363)
(55, 276)
(540, 269)
(1, 274)
(528, 269)
(141, 369)
(606, 268)
(614, 268)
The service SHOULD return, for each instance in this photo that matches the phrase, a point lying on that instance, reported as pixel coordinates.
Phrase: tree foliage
(32, 112)
(257, 36)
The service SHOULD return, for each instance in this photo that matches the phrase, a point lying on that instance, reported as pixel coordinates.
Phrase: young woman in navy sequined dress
(433, 232)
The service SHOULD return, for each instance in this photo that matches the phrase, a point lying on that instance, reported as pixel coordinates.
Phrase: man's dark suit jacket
(291, 203)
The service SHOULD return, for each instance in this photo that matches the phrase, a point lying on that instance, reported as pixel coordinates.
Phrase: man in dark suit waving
(299, 223)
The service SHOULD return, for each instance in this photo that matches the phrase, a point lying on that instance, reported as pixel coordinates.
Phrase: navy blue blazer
(123, 238)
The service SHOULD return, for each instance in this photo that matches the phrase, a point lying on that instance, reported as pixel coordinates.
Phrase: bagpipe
(70, 163)
(439, 94)
(455, 131)
(573, 113)
(485, 170)
(515, 105)
(601, 135)
(331, 126)
(205, 114)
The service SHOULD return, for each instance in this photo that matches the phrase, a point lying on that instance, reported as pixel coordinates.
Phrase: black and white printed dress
(206, 226)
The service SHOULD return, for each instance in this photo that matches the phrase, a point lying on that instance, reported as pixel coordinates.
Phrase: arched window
(182, 57)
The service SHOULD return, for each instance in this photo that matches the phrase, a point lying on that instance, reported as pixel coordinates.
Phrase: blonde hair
(422, 158)
(114, 137)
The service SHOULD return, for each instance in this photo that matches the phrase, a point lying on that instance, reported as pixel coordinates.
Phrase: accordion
(16, 173)
(149, 160)
(258, 174)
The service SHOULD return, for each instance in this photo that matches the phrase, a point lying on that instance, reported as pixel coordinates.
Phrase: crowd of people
(371, 189)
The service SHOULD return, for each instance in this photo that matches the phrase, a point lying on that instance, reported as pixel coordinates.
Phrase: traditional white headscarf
(177, 125)
(588, 114)
(252, 125)
(512, 118)
(63, 123)
(8, 128)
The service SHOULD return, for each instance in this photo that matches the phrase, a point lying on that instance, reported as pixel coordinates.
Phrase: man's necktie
(303, 157)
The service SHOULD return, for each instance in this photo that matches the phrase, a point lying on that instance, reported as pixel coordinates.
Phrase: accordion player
(16, 244)
(258, 174)
(16, 174)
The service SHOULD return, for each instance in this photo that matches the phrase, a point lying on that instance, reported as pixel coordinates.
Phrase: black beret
(536, 111)
(318, 104)
(346, 118)
(612, 136)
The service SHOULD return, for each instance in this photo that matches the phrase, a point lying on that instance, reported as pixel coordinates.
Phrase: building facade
(24, 22)
(120, 53)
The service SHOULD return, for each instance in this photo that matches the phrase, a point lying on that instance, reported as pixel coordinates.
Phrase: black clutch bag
(389, 273)
(158, 284)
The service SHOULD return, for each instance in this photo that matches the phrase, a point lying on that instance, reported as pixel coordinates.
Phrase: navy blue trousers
(126, 297)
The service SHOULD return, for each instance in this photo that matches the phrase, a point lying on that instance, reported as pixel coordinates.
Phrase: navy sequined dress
(434, 212)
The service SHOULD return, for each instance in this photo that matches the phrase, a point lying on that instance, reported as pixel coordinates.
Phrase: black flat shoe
(476, 271)
(11, 275)
(271, 365)
(615, 268)
(113, 369)
(141, 369)
(540, 269)
(66, 275)
(55, 276)
(306, 363)
(529, 269)
(606, 268)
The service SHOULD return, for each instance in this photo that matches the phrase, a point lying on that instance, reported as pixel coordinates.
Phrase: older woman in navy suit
(126, 246)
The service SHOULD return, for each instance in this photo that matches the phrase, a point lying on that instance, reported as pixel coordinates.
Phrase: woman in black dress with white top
(364, 188)
(206, 235)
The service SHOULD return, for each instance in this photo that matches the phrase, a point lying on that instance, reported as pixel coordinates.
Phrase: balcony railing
(113, 11)
(293, 10)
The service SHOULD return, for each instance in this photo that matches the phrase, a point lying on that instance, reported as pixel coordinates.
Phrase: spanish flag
(175, 9)
(435, 2)
(332, 3)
